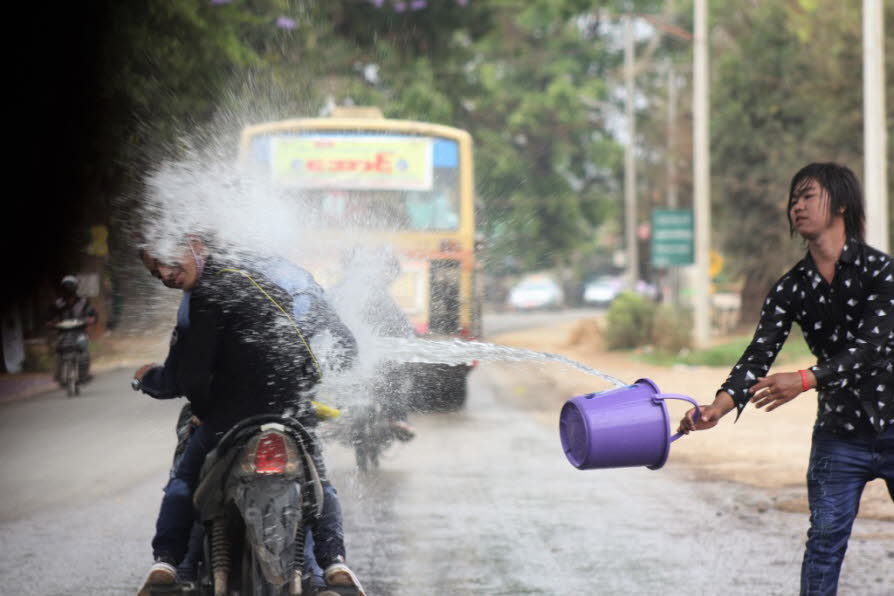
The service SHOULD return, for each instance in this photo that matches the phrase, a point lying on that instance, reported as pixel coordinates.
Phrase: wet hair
(208, 239)
(844, 192)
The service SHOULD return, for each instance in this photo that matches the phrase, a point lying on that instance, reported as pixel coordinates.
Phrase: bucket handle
(698, 412)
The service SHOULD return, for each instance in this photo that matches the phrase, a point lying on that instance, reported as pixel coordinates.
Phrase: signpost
(672, 237)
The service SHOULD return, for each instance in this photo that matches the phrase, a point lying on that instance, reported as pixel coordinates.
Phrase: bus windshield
(382, 181)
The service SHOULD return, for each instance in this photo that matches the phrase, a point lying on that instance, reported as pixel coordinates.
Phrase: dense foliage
(786, 90)
(537, 82)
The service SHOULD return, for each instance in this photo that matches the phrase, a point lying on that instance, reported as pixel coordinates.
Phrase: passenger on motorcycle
(70, 306)
(240, 356)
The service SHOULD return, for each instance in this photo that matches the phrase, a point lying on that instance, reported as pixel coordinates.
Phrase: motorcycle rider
(71, 306)
(159, 381)
(376, 269)
(240, 356)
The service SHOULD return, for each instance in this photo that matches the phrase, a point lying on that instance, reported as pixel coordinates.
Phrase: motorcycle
(371, 427)
(71, 351)
(258, 491)
(370, 434)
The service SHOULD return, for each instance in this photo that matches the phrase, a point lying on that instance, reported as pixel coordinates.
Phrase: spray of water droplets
(249, 221)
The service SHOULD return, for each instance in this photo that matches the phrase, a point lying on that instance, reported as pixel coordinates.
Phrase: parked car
(647, 289)
(602, 290)
(536, 292)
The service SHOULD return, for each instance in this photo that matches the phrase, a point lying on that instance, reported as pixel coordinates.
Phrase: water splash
(457, 351)
(253, 220)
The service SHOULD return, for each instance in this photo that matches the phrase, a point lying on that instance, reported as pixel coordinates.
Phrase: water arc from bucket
(458, 351)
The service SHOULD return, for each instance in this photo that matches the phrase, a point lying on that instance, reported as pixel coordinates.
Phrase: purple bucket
(623, 427)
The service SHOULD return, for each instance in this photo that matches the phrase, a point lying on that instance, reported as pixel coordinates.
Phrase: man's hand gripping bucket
(620, 428)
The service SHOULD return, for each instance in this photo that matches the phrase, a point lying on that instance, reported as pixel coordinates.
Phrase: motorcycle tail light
(466, 334)
(270, 453)
(271, 456)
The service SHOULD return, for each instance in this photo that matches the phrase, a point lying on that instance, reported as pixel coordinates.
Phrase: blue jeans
(839, 469)
(177, 514)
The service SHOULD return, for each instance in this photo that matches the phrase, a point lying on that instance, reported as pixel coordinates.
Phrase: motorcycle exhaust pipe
(295, 588)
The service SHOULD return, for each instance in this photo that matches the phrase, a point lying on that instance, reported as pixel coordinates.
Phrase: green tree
(529, 80)
(787, 91)
(106, 89)
(547, 164)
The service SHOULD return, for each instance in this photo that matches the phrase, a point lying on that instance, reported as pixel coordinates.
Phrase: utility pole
(632, 274)
(875, 143)
(702, 178)
(671, 158)
(671, 170)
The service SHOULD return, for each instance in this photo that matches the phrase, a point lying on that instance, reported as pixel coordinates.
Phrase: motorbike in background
(258, 492)
(370, 434)
(374, 425)
(71, 352)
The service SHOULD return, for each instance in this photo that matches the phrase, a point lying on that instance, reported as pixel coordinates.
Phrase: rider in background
(364, 290)
(71, 306)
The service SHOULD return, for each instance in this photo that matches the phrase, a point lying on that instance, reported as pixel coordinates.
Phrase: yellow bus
(402, 183)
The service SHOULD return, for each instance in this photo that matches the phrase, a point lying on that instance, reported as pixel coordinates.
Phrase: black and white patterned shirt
(848, 326)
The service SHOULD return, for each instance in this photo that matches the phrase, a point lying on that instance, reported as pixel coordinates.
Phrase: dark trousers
(839, 470)
(177, 514)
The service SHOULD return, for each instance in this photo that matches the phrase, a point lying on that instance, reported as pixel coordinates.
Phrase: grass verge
(726, 353)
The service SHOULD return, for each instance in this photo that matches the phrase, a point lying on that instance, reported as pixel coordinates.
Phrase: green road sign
(673, 236)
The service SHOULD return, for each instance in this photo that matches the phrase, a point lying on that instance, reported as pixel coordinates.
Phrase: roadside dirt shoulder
(765, 450)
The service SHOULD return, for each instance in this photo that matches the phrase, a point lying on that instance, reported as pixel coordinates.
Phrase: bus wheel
(452, 396)
(455, 399)
(437, 387)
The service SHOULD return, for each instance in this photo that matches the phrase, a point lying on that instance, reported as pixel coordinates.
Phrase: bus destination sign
(352, 162)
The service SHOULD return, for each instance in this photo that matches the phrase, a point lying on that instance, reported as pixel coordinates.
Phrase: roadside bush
(628, 322)
(672, 329)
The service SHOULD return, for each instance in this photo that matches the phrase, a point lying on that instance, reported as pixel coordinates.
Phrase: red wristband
(805, 383)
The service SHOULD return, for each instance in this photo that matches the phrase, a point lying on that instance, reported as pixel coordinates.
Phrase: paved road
(482, 502)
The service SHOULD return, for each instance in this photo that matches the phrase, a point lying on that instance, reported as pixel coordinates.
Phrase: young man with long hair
(841, 294)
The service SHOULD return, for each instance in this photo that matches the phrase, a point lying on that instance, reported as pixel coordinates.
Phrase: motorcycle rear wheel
(253, 581)
(70, 378)
(367, 456)
(368, 444)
